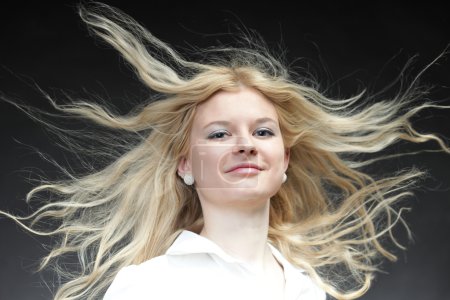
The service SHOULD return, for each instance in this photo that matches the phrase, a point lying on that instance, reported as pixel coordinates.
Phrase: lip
(245, 168)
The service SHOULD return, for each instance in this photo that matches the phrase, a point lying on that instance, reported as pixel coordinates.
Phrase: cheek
(209, 160)
(273, 151)
(275, 156)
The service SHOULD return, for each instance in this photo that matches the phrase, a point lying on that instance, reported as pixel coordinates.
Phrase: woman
(236, 163)
(267, 202)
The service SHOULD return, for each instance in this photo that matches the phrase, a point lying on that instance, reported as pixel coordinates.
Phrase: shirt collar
(189, 242)
(287, 266)
(297, 283)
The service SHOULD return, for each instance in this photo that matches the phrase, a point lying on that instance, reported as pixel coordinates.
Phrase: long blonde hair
(329, 217)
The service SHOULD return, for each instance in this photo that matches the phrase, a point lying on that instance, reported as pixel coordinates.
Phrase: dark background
(349, 46)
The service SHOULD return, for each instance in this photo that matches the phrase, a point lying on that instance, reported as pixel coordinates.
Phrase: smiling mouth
(245, 171)
(245, 165)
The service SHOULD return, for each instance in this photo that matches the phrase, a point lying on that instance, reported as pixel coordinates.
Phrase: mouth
(245, 168)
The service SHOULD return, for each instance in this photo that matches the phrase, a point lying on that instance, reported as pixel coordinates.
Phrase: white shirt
(194, 267)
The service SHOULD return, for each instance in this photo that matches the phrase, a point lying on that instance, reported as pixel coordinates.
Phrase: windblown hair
(329, 218)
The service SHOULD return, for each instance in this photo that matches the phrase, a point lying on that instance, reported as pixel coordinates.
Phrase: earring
(284, 177)
(188, 179)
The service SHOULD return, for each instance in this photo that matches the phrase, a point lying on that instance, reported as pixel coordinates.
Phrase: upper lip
(244, 165)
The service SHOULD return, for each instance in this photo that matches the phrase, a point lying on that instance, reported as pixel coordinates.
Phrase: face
(231, 129)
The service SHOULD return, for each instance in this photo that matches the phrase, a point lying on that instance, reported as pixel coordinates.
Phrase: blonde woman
(242, 183)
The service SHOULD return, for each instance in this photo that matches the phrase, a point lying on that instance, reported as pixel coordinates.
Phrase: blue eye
(221, 134)
(216, 135)
(265, 130)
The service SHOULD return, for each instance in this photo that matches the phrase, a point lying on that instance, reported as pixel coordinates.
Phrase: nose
(244, 146)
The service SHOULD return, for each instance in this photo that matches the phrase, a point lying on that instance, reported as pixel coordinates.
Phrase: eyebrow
(257, 121)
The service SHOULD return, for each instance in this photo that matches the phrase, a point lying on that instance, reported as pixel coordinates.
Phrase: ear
(286, 158)
(184, 166)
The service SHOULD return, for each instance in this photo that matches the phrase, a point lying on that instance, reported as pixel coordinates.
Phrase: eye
(216, 135)
(270, 133)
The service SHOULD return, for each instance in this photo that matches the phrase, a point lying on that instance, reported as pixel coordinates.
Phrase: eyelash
(213, 135)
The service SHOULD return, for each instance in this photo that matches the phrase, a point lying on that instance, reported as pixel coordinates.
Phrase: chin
(243, 193)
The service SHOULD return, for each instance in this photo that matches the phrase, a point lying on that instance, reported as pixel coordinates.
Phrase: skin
(236, 206)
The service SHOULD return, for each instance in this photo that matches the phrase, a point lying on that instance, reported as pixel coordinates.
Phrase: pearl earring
(188, 179)
(284, 177)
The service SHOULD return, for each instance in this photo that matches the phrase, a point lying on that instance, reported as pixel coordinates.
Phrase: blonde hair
(329, 218)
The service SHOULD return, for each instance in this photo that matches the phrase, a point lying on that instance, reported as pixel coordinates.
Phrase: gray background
(349, 45)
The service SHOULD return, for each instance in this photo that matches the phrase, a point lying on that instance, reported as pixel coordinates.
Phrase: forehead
(245, 103)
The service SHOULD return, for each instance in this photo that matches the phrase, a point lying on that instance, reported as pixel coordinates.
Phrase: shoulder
(298, 282)
(139, 281)
(157, 276)
(310, 289)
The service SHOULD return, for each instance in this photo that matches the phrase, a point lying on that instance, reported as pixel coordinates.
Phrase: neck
(242, 233)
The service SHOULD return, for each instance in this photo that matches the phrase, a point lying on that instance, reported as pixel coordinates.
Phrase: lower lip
(245, 171)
